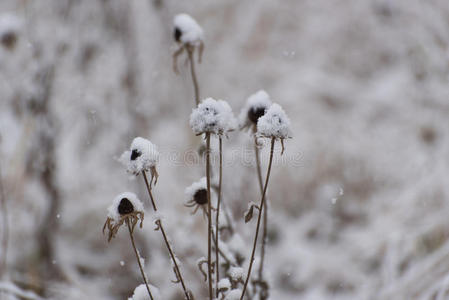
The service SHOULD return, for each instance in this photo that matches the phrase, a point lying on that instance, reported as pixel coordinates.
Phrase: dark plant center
(200, 197)
(254, 113)
(177, 34)
(135, 154)
(125, 207)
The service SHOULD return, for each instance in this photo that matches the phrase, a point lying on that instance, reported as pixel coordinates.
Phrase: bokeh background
(359, 203)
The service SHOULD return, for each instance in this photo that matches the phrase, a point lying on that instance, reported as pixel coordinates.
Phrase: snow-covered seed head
(255, 107)
(9, 30)
(124, 207)
(197, 195)
(200, 197)
(212, 116)
(274, 123)
(142, 156)
(187, 31)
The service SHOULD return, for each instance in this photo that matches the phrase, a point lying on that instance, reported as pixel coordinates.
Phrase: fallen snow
(142, 156)
(191, 32)
(213, 116)
(274, 123)
(113, 208)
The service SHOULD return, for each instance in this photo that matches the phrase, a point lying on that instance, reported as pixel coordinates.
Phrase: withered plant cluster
(228, 273)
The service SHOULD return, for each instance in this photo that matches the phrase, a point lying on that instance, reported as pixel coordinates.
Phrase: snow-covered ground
(359, 202)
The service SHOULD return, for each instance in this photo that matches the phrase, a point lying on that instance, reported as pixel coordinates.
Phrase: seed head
(200, 197)
(125, 207)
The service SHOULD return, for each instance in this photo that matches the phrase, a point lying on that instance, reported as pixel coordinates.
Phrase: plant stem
(167, 243)
(138, 258)
(209, 217)
(217, 271)
(5, 226)
(265, 211)
(192, 72)
(259, 219)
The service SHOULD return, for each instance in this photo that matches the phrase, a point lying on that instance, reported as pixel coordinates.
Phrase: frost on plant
(142, 156)
(140, 293)
(125, 206)
(187, 30)
(212, 116)
(197, 195)
(10, 26)
(274, 123)
(255, 107)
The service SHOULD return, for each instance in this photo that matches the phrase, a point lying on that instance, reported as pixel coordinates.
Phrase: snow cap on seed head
(142, 156)
(274, 123)
(187, 30)
(255, 107)
(124, 203)
(141, 293)
(213, 116)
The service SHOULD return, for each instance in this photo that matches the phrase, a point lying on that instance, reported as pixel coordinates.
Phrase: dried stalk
(190, 50)
(217, 265)
(259, 219)
(138, 258)
(5, 226)
(265, 215)
(167, 244)
(209, 217)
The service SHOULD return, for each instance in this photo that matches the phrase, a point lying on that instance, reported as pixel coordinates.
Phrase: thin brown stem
(217, 268)
(209, 218)
(167, 243)
(149, 190)
(265, 212)
(192, 72)
(138, 258)
(259, 219)
(5, 226)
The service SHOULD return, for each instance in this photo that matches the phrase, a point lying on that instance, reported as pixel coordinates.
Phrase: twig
(209, 217)
(192, 72)
(217, 218)
(138, 258)
(164, 235)
(259, 219)
(5, 237)
(265, 211)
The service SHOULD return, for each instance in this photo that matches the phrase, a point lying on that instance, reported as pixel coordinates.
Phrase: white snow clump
(213, 116)
(142, 156)
(113, 209)
(141, 293)
(187, 30)
(274, 123)
(255, 107)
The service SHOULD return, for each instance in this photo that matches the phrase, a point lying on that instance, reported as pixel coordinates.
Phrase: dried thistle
(125, 208)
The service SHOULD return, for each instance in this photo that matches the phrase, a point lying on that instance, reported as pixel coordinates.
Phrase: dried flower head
(212, 116)
(126, 207)
(10, 26)
(256, 106)
(142, 156)
(197, 196)
(274, 123)
(189, 35)
(187, 31)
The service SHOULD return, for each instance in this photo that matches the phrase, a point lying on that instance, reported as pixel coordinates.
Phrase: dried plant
(126, 208)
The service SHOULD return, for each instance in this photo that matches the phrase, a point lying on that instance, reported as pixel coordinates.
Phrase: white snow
(9, 23)
(234, 294)
(192, 33)
(258, 100)
(141, 157)
(214, 116)
(274, 123)
(236, 273)
(113, 208)
(141, 293)
(224, 283)
(197, 185)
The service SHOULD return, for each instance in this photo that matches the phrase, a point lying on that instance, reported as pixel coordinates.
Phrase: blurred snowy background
(359, 205)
